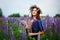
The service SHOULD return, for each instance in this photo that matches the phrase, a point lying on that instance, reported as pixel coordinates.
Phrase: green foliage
(1, 32)
(14, 15)
(57, 15)
(9, 26)
(16, 32)
(42, 16)
(29, 38)
(47, 36)
(43, 37)
(26, 15)
(50, 35)
(1, 15)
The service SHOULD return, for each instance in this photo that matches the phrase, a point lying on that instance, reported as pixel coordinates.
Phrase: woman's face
(34, 12)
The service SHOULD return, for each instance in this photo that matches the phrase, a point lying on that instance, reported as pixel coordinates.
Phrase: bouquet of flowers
(27, 22)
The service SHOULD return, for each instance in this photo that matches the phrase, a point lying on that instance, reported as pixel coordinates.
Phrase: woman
(36, 26)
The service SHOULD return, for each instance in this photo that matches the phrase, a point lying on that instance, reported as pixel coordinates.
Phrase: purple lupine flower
(5, 28)
(11, 34)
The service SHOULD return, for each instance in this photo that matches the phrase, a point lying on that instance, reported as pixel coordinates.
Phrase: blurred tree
(26, 15)
(1, 15)
(57, 15)
(14, 15)
(42, 16)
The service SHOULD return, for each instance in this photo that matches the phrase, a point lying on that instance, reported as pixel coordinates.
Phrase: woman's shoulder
(39, 21)
(36, 21)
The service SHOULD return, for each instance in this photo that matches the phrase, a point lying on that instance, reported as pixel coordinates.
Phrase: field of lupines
(13, 29)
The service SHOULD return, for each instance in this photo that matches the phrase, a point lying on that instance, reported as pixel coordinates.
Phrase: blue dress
(36, 27)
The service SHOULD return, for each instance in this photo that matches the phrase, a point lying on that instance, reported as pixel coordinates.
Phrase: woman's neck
(34, 17)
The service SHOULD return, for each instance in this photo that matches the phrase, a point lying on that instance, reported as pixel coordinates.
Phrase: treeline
(18, 15)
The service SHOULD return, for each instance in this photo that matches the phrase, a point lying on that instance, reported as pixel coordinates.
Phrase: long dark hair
(38, 13)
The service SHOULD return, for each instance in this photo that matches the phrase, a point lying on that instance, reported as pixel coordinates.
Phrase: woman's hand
(40, 32)
(23, 22)
(28, 26)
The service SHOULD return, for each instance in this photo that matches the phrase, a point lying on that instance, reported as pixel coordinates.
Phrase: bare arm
(32, 34)
(41, 32)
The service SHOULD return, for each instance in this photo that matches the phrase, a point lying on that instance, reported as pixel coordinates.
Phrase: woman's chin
(34, 15)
